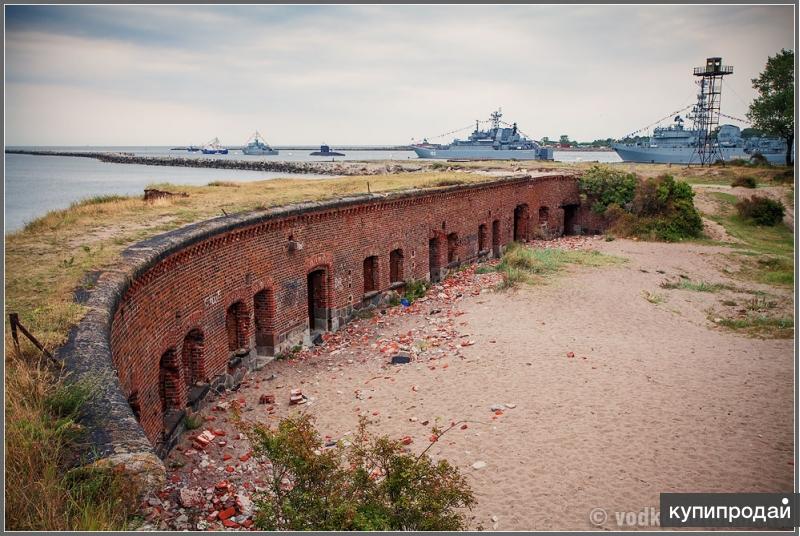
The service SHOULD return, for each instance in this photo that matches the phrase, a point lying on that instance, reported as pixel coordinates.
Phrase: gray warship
(707, 141)
(496, 143)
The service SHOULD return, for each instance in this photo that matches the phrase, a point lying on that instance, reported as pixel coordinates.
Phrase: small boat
(214, 147)
(325, 150)
(256, 145)
(192, 149)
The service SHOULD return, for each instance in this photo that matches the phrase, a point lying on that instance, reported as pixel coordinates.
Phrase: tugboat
(496, 143)
(214, 147)
(325, 150)
(256, 145)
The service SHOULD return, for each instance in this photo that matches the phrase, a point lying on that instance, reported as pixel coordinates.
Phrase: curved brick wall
(193, 309)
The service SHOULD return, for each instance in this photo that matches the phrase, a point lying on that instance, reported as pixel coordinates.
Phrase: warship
(677, 145)
(706, 141)
(256, 145)
(496, 143)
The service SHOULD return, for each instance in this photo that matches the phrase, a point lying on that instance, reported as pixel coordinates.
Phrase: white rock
(480, 464)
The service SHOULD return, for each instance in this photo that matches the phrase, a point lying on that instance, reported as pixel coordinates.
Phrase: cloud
(365, 74)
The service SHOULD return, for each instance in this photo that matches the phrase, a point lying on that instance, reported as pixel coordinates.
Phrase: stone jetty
(316, 168)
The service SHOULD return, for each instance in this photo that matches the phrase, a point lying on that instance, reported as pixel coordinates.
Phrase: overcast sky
(146, 75)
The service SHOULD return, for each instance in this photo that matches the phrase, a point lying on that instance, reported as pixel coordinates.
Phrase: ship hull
(260, 152)
(472, 154)
(683, 155)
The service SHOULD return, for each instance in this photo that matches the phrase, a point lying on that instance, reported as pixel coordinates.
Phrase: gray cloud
(345, 74)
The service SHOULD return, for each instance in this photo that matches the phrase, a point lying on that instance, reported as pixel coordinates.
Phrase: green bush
(761, 210)
(374, 484)
(415, 289)
(744, 182)
(604, 186)
(662, 209)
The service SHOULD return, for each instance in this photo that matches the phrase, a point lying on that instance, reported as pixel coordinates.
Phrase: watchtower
(705, 112)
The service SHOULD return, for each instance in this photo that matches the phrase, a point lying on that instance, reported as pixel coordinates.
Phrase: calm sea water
(35, 185)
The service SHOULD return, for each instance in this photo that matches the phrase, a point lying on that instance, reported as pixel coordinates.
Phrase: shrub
(785, 176)
(374, 484)
(604, 186)
(744, 182)
(415, 289)
(759, 159)
(662, 209)
(761, 210)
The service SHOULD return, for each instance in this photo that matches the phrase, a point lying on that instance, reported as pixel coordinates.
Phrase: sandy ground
(655, 399)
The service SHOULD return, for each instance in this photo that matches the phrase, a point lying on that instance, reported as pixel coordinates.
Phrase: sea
(35, 185)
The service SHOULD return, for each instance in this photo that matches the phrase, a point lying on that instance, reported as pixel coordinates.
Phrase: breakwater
(320, 168)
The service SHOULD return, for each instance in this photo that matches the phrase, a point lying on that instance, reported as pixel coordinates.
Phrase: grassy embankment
(45, 263)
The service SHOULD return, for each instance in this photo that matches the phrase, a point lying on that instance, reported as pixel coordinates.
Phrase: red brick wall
(194, 288)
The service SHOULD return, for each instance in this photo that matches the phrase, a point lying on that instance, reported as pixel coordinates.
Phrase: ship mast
(705, 113)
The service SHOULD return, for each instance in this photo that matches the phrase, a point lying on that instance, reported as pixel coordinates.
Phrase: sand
(657, 398)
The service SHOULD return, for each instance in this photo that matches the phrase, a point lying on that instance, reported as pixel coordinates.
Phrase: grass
(41, 493)
(521, 264)
(696, 286)
(193, 422)
(654, 297)
(766, 253)
(760, 325)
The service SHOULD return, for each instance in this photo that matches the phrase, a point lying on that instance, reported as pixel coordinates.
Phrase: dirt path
(610, 399)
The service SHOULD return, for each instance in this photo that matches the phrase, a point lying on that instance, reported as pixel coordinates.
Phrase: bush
(415, 289)
(759, 159)
(744, 182)
(604, 186)
(662, 209)
(374, 484)
(761, 210)
(784, 177)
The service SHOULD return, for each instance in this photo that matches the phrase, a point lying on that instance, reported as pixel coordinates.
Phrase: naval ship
(675, 144)
(256, 145)
(496, 143)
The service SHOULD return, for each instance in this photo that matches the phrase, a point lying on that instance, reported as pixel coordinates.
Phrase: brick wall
(246, 285)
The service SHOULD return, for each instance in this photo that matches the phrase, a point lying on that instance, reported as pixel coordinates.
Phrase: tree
(773, 110)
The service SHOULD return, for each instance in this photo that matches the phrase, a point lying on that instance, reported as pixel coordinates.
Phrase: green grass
(771, 249)
(521, 264)
(193, 422)
(415, 290)
(696, 286)
(761, 325)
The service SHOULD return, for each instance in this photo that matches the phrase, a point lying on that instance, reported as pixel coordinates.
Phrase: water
(35, 185)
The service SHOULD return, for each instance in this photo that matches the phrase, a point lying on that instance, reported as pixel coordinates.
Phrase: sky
(177, 75)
